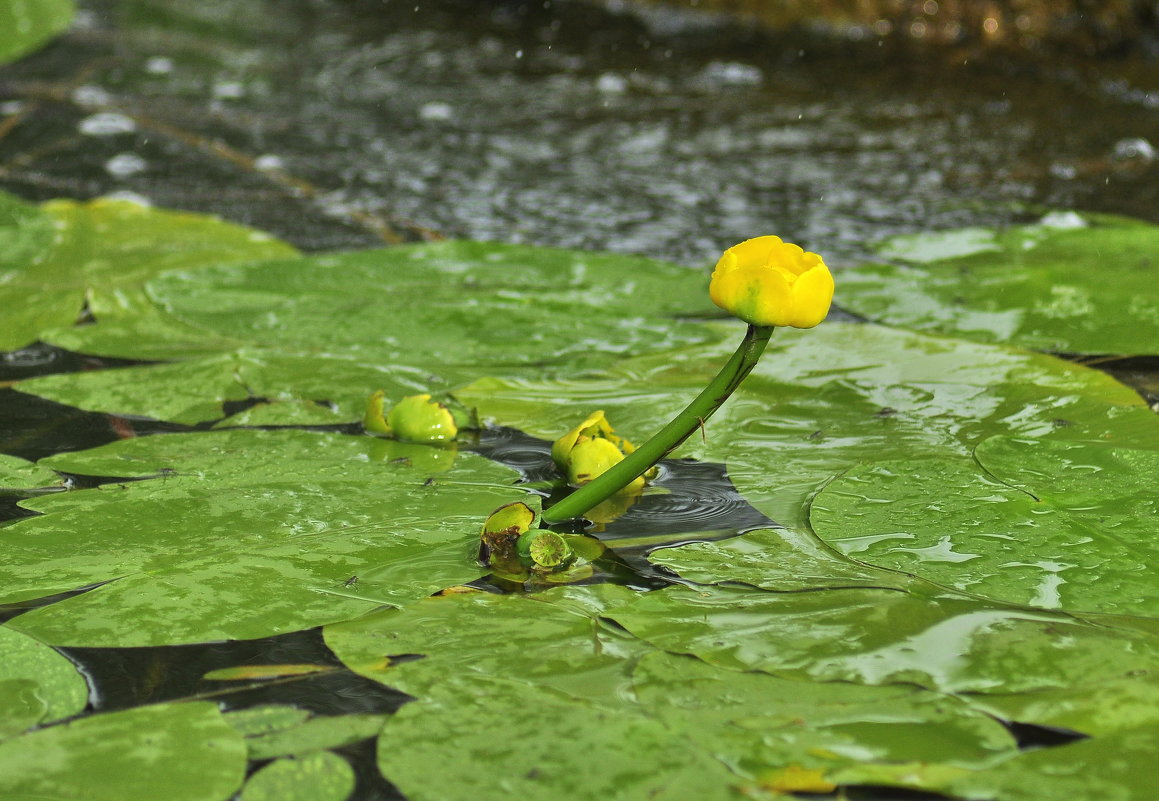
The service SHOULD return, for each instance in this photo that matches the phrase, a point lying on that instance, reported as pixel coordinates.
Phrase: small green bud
(546, 549)
(373, 421)
(417, 418)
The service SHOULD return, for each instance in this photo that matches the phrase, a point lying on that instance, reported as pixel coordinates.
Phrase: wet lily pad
(182, 751)
(315, 734)
(448, 303)
(27, 24)
(37, 685)
(1119, 765)
(823, 400)
(760, 724)
(774, 559)
(1062, 525)
(315, 777)
(942, 642)
(244, 534)
(18, 474)
(1070, 283)
(550, 639)
(288, 388)
(102, 252)
(542, 671)
(323, 332)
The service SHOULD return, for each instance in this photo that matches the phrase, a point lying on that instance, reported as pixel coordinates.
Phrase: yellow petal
(562, 447)
(751, 253)
(812, 296)
(590, 458)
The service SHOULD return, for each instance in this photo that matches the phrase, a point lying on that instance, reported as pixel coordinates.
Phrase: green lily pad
(774, 559)
(261, 720)
(447, 304)
(27, 24)
(37, 685)
(319, 776)
(945, 643)
(244, 534)
(102, 253)
(18, 474)
(522, 695)
(179, 752)
(315, 734)
(823, 400)
(1120, 765)
(413, 319)
(1070, 283)
(758, 723)
(297, 389)
(491, 739)
(1062, 525)
(1125, 703)
(551, 639)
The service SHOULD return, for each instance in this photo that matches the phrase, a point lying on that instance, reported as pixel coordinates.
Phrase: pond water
(334, 124)
(347, 124)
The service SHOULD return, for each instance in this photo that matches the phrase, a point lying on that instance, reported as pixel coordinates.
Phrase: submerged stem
(670, 436)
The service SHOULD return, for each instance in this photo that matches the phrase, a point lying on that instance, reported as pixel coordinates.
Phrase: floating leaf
(1062, 525)
(27, 24)
(448, 303)
(17, 474)
(296, 389)
(1120, 766)
(823, 400)
(1070, 283)
(103, 252)
(764, 726)
(315, 734)
(37, 685)
(179, 752)
(314, 777)
(260, 720)
(945, 643)
(491, 739)
(245, 534)
(773, 559)
(549, 639)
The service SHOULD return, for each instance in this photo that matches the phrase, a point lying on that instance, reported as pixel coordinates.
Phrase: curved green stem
(671, 435)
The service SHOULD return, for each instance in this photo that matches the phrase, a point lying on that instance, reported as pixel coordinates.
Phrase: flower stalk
(670, 436)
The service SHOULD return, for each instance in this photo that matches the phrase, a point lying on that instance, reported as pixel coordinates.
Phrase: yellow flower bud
(417, 418)
(589, 449)
(766, 281)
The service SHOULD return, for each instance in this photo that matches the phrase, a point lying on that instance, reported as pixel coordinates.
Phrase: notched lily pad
(18, 475)
(243, 534)
(1062, 525)
(37, 684)
(449, 303)
(823, 400)
(945, 643)
(1070, 283)
(320, 776)
(181, 752)
(287, 388)
(102, 252)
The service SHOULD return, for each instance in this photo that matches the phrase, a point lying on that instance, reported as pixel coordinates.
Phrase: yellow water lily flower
(767, 281)
(590, 449)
